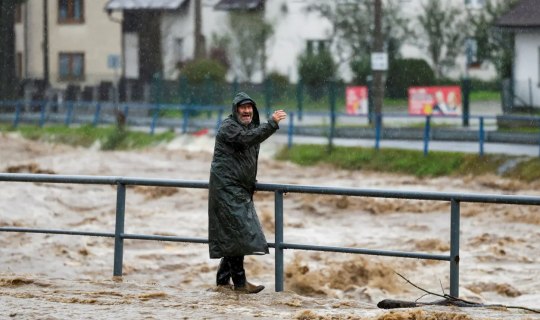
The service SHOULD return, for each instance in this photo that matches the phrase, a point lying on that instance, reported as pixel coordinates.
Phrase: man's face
(245, 113)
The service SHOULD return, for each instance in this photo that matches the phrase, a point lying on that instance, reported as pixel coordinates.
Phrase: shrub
(316, 70)
(197, 71)
(405, 73)
(361, 69)
(280, 84)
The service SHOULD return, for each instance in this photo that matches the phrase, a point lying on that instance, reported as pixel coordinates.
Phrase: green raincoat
(233, 226)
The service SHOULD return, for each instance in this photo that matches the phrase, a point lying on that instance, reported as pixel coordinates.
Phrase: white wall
(292, 30)
(527, 66)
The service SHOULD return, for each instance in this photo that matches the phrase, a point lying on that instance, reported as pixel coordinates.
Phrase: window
(19, 65)
(18, 14)
(317, 46)
(71, 66)
(474, 4)
(70, 11)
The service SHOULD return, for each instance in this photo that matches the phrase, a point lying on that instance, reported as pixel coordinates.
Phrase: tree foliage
(405, 73)
(493, 46)
(246, 41)
(353, 23)
(197, 71)
(441, 29)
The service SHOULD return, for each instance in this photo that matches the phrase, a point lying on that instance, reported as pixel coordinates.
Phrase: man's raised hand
(279, 115)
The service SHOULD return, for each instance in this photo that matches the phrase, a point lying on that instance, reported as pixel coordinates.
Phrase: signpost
(379, 61)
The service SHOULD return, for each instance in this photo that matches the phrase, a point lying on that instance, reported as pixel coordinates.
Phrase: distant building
(87, 37)
(524, 21)
(81, 39)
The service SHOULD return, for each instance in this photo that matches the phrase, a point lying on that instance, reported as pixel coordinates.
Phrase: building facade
(73, 41)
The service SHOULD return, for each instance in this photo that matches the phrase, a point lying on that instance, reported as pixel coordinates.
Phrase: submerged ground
(499, 243)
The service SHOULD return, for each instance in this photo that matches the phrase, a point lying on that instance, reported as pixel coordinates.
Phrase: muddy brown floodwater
(60, 276)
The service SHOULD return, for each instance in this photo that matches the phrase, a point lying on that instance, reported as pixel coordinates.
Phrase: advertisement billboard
(437, 101)
(357, 100)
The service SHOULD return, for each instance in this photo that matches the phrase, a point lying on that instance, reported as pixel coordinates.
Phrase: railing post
(454, 249)
(538, 140)
(17, 115)
(268, 95)
(332, 96)
(154, 119)
(119, 229)
(219, 119)
(426, 135)
(300, 97)
(279, 239)
(126, 111)
(96, 115)
(42, 118)
(466, 91)
(481, 137)
(291, 130)
(369, 81)
(68, 115)
(378, 122)
(186, 118)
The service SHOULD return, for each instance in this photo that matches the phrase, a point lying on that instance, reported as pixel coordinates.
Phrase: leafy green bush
(316, 70)
(197, 71)
(361, 69)
(280, 84)
(405, 73)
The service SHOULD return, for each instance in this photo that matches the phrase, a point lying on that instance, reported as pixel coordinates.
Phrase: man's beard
(245, 122)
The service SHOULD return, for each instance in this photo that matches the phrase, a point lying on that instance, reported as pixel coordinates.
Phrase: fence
(152, 115)
(279, 189)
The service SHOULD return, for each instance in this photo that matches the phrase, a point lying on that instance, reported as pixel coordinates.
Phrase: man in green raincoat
(234, 230)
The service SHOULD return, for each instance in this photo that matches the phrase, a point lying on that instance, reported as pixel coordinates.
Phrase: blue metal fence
(279, 190)
(189, 109)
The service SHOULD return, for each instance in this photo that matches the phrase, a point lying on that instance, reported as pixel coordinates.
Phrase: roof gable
(525, 14)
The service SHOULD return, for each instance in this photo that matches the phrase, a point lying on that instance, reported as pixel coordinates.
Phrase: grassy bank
(87, 135)
(409, 161)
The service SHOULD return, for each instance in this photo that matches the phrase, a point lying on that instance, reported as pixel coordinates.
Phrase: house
(67, 42)
(524, 22)
(295, 30)
(85, 39)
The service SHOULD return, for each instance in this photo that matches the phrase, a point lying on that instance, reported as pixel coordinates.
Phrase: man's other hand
(279, 115)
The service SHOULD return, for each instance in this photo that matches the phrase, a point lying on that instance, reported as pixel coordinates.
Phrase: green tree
(316, 70)
(353, 23)
(8, 83)
(248, 37)
(440, 31)
(492, 46)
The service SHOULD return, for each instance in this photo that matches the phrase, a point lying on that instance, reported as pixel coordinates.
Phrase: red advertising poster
(357, 100)
(437, 101)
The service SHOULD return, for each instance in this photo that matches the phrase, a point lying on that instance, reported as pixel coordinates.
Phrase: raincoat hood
(240, 99)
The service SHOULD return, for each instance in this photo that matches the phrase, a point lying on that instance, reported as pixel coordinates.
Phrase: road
(467, 147)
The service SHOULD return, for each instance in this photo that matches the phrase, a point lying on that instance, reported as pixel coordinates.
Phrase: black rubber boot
(238, 274)
(223, 276)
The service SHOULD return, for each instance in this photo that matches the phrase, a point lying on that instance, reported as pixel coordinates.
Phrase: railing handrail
(285, 188)
(213, 107)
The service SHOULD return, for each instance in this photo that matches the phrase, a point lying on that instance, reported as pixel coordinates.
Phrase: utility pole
(200, 41)
(378, 85)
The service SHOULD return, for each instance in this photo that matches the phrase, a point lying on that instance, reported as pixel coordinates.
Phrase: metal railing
(278, 189)
(153, 110)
